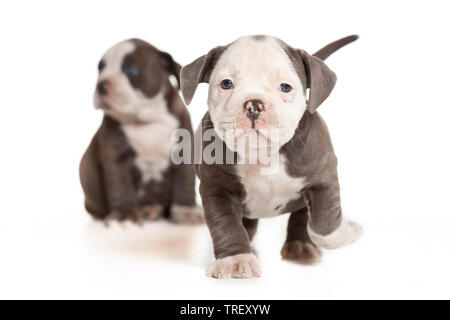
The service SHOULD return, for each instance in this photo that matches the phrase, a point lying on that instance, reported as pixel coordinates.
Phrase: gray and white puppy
(126, 172)
(256, 83)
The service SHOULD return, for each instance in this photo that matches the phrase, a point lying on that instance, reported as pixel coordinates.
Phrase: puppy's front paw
(240, 266)
(122, 218)
(302, 252)
(348, 232)
(151, 212)
(187, 215)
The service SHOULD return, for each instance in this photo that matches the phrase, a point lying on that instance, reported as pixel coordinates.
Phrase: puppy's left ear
(320, 79)
(198, 71)
(170, 65)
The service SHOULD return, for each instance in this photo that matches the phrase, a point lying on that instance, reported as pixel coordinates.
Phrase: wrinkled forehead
(113, 57)
(255, 55)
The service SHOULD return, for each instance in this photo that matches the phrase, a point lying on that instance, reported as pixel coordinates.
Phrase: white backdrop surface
(388, 118)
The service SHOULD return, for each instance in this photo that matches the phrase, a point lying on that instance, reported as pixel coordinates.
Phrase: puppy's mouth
(103, 106)
(247, 132)
(100, 103)
(257, 137)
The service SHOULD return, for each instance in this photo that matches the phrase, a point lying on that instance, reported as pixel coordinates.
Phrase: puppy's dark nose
(253, 108)
(102, 87)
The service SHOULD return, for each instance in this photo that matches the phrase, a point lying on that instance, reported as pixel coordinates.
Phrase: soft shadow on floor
(160, 239)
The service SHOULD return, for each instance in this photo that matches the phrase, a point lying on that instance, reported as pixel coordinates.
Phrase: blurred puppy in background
(126, 172)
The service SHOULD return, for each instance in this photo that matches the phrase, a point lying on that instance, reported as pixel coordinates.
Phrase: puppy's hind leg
(326, 226)
(92, 184)
(299, 246)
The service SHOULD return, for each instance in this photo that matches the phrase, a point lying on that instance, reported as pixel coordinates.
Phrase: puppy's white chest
(268, 191)
(152, 143)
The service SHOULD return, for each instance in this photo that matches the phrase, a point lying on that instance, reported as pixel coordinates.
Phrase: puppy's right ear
(198, 71)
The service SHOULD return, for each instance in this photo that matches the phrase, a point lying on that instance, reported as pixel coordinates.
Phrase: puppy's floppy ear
(198, 71)
(320, 79)
(170, 65)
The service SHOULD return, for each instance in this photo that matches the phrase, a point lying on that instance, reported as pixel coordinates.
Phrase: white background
(388, 117)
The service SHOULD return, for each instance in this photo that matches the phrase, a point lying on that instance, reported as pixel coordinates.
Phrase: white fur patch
(257, 68)
(346, 233)
(113, 59)
(122, 97)
(268, 194)
(152, 141)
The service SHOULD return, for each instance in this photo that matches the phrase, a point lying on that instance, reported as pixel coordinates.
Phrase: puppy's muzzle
(253, 108)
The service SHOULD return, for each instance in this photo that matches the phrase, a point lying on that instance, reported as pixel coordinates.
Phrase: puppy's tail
(331, 48)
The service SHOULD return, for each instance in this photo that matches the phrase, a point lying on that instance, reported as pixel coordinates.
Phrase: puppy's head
(133, 77)
(258, 84)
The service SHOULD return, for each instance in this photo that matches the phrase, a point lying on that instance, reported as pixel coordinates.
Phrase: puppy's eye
(101, 65)
(131, 70)
(285, 87)
(226, 84)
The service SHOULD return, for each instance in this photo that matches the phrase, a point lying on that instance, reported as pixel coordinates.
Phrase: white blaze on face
(123, 101)
(120, 92)
(257, 67)
(113, 60)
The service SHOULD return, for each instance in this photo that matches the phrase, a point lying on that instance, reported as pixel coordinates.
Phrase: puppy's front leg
(184, 208)
(223, 213)
(326, 226)
(120, 193)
